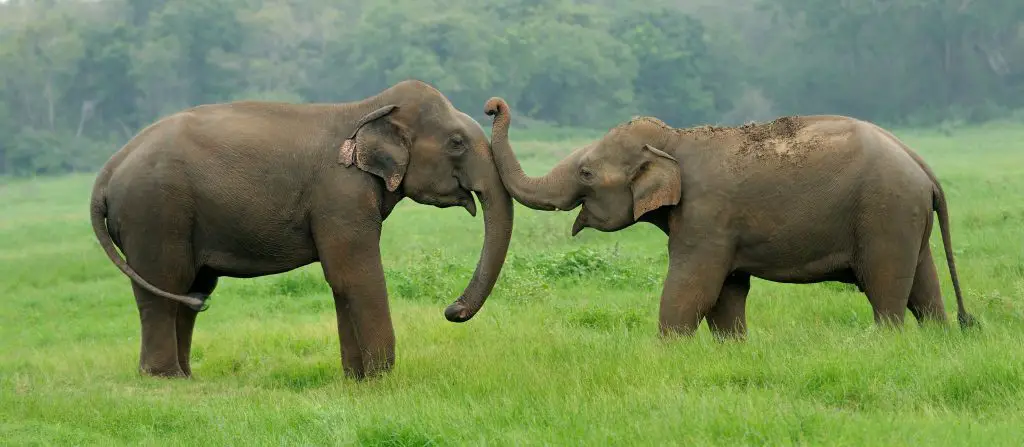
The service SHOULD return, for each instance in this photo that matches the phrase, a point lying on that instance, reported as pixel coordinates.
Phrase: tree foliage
(78, 78)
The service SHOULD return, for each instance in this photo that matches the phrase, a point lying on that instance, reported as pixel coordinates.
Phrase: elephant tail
(98, 211)
(939, 203)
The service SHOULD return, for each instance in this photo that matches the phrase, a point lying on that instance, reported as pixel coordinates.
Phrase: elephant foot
(356, 374)
(378, 367)
(729, 337)
(165, 372)
(669, 334)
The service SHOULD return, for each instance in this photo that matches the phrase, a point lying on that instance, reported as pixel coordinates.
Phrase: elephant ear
(656, 183)
(379, 145)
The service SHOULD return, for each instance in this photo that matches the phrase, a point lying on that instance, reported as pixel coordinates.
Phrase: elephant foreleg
(728, 317)
(692, 287)
(351, 355)
(353, 268)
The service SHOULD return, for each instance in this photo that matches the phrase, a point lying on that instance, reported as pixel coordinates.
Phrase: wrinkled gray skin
(251, 188)
(798, 200)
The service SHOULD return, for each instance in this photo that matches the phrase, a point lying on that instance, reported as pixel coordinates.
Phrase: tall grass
(564, 352)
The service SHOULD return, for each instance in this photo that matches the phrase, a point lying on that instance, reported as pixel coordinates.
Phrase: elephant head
(423, 148)
(618, 179)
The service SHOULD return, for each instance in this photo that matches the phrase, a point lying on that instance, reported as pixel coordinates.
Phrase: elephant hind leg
(925, 296)
(887, 270)
(728, 317)
(158, 355)
(204, 283)
(166, 265)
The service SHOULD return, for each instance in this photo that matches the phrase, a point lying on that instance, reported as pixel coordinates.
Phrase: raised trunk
(557, 190)
(497, 233)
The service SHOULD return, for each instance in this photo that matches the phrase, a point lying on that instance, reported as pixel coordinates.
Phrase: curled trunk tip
(458, 312)
(496, 105)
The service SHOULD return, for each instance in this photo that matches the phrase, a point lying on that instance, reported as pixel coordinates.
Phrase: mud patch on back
(759, 137)
(781, 141)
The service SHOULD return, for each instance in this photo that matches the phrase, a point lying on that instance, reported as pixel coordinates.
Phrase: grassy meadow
(565, 352)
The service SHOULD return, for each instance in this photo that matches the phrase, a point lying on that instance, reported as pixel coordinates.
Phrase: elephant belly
(798, 234)
(249, 229)
(251, 252)
(246, 266)
(800, 259)
(833, 267)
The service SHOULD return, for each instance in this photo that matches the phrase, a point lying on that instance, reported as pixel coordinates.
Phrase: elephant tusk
(470, 206)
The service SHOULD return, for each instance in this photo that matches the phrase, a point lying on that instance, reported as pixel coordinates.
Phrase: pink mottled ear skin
(347, 156)
(393, 181)
(348, 152)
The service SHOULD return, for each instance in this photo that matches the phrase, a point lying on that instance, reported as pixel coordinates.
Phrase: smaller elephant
(801, 199)
(253, 188)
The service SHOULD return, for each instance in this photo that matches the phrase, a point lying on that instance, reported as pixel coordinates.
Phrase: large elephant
(796, 200)
(250, 188)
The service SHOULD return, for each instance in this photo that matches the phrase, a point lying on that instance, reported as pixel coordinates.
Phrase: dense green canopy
(78, 78)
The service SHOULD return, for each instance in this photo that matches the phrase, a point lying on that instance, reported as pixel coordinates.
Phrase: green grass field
(565, 352)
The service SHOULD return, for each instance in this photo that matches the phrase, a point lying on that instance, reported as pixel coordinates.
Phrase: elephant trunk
(556, 190)
(498, 218)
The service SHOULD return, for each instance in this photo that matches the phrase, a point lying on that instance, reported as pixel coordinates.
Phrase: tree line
(78, 78)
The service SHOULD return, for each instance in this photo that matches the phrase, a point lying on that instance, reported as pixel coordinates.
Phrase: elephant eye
(586, 174)
(457, 144)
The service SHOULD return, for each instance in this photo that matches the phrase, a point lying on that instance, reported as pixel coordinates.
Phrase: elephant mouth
(584, 219)
(587, 219)
(574, 204)
(460, 197)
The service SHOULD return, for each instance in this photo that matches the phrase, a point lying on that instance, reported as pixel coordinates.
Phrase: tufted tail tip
(204, 302)
(967, 321)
